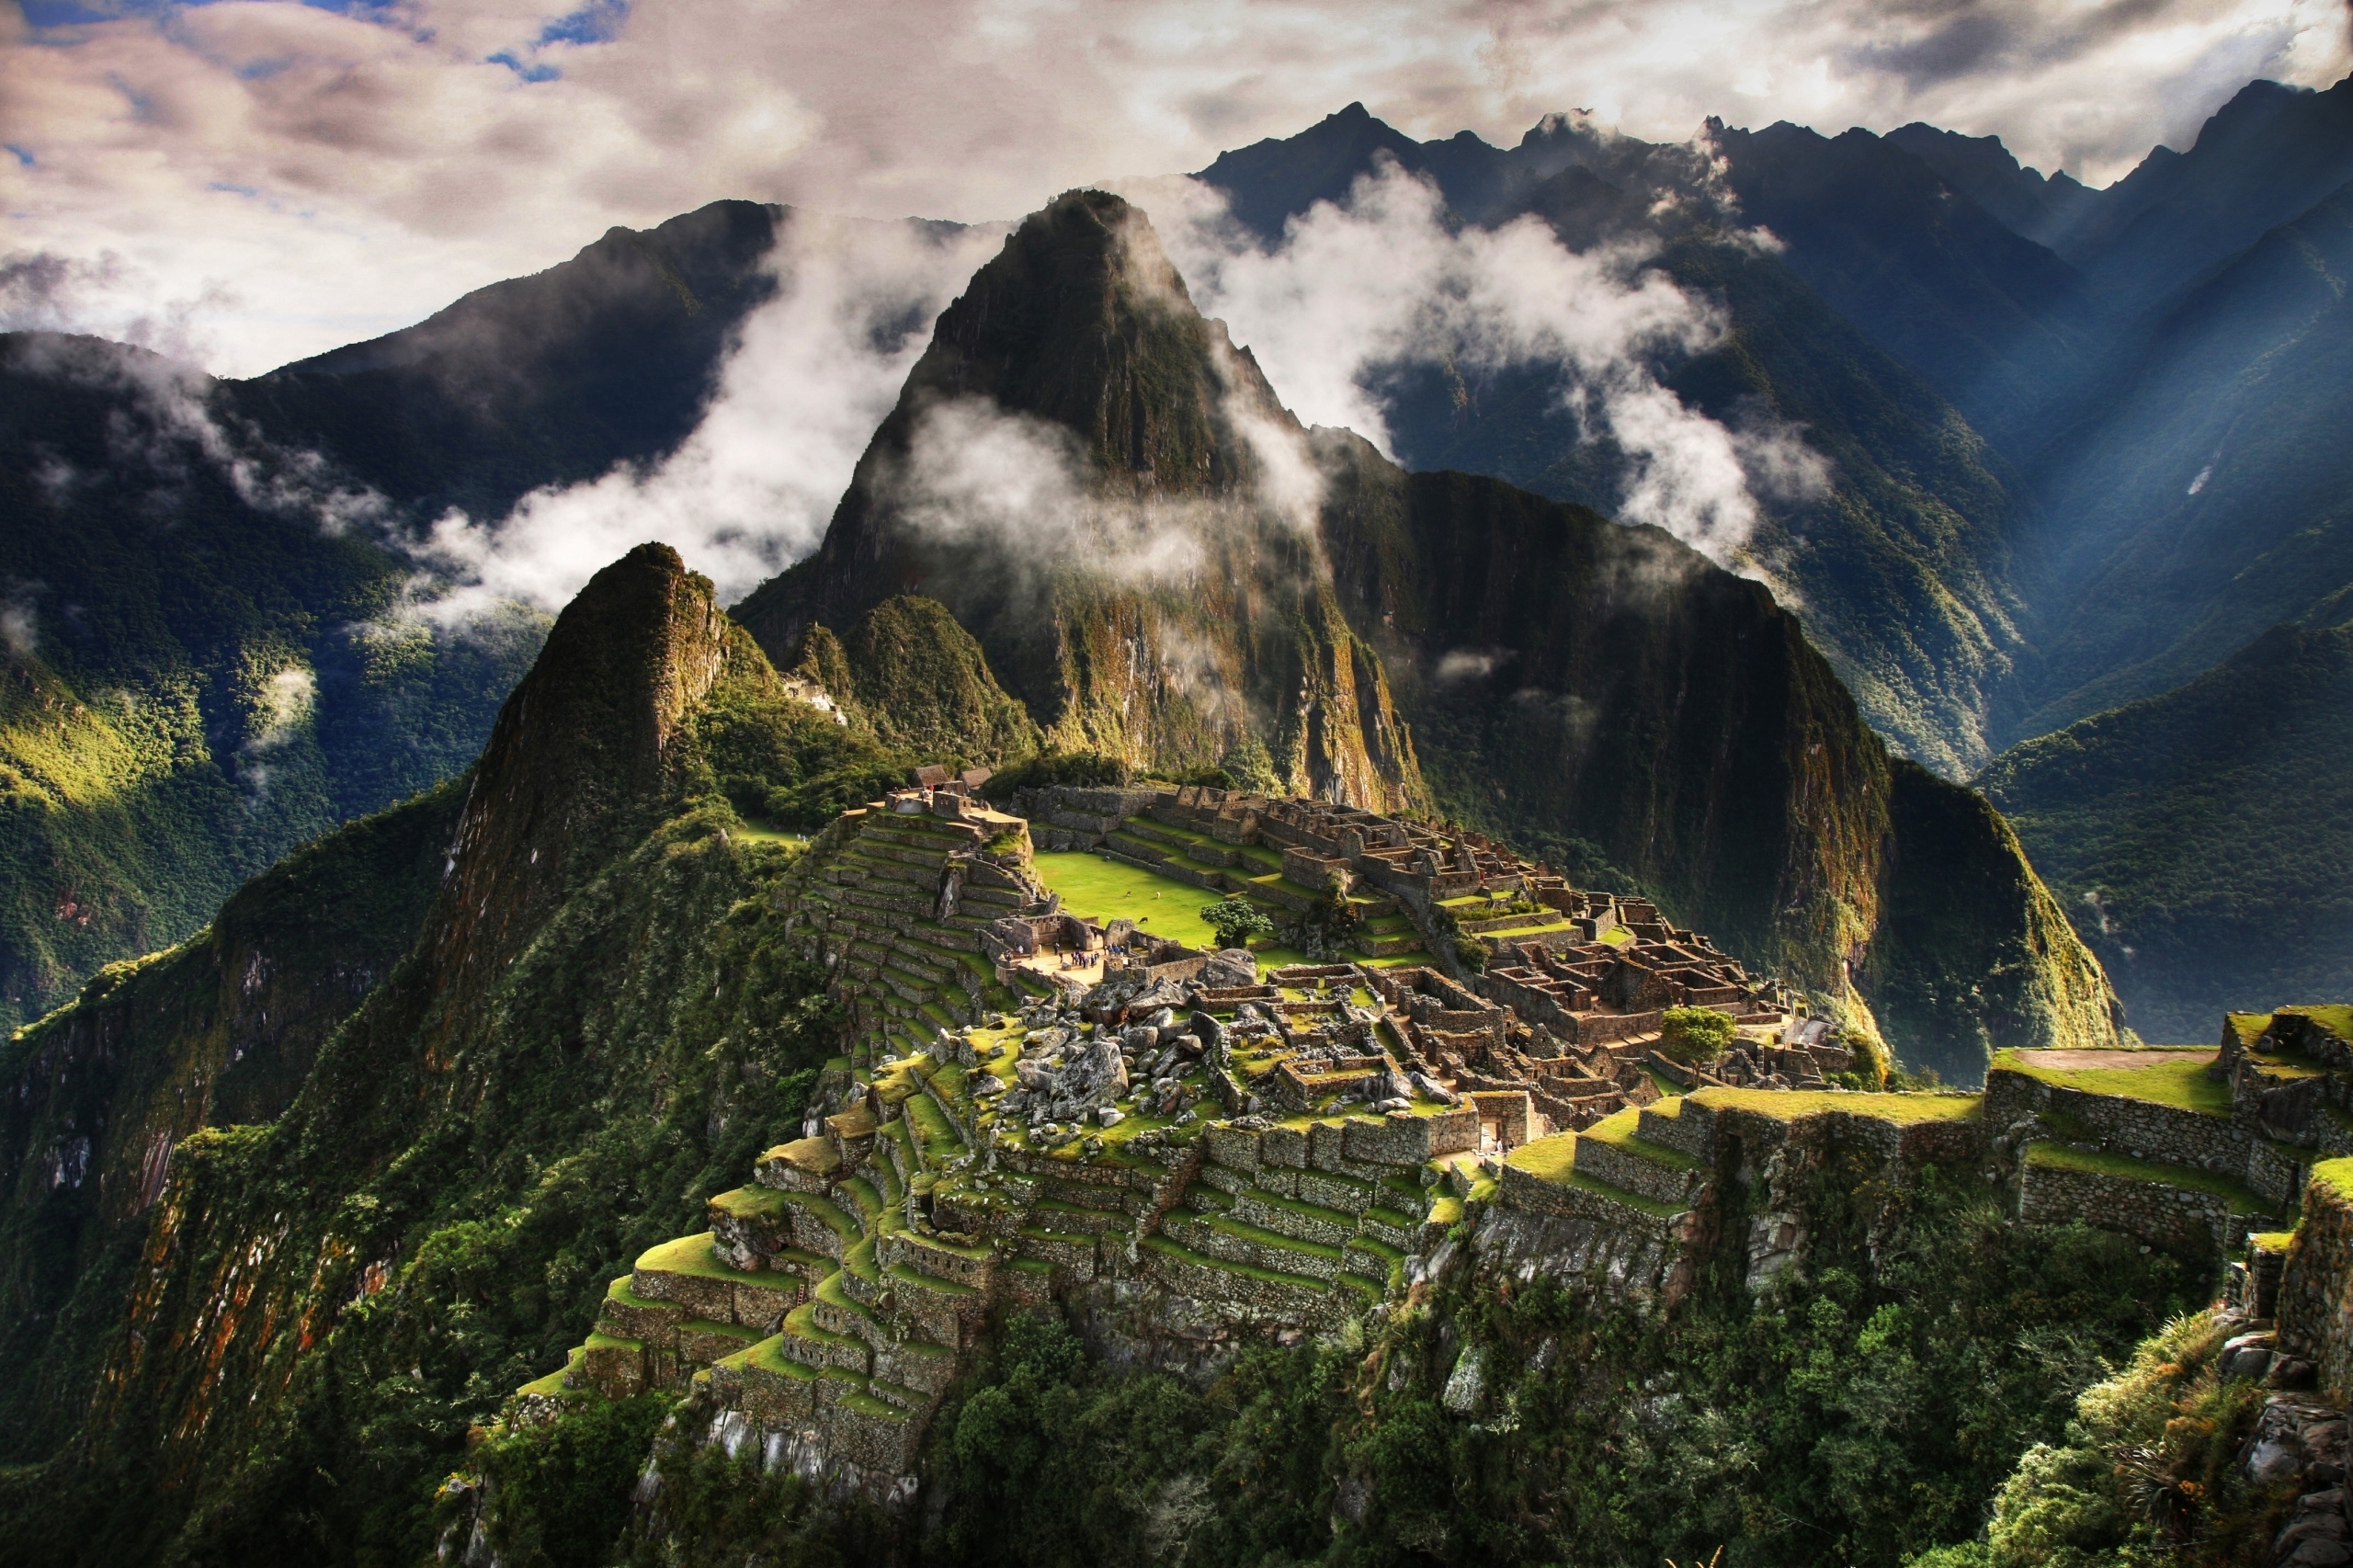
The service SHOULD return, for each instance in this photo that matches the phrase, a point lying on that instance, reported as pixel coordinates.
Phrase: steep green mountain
(2204, 493)
(1602, 694)
(195, 677)
(221, 1030)
(593, 1023)
(1904, 568)
(923, 684)
(606, 1012)
(2201, 836)
(1144, 597)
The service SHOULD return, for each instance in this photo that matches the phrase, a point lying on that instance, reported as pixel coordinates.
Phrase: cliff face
(1107, 495)
(1609, 698)
(219, 1031)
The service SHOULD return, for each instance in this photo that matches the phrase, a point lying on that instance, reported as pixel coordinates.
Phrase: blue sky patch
(593, 23)
(531, 72)
(23, 156)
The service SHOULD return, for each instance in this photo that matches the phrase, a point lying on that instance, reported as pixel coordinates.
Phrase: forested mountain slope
(2199, 837)
(197, 675)
(573, 1048)
(1903, 565)
(2205, 494)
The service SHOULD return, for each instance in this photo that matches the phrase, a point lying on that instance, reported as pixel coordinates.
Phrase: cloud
(348, 171)
(1472, 664)
(975, 473)
(1355, 292)
(19, 621)
(281, 705)
(810, 375)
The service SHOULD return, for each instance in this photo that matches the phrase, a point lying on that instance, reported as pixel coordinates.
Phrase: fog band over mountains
(1349, 294)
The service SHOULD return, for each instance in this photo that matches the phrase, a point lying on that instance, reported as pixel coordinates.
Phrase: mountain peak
(1109, 498)
(581, 754)
(1077, 357)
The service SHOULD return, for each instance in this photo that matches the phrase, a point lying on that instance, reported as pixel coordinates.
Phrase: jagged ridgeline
(1290, 606)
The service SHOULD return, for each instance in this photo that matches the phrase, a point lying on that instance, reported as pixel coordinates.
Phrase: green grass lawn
(2172, 1078)
(1549, 1159)
(1619, 1131)
(1902, 1109)
(1097, 889)
(2337, 1175)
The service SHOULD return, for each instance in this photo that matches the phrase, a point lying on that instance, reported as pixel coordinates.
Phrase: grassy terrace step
(828, 1213)
(1383, 1224)
(1621, 1132)
(1788, 1105)
(1275, 1211)
(842, 1314)
(1619, 1195)
(551, 1386)
(1079, 1217)
(938, 1138)
(860, 1262)
(866, 1403)
(863, 1197)
(692, 1255)
(896, 1395)
(805, 1341)
(2099, 1162)
(1258, 1235)
(2176, 1078)
(768, 1357)
(916, 1280)
(1169, 1248)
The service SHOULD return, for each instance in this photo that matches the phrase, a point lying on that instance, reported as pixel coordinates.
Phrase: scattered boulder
(1229, 969)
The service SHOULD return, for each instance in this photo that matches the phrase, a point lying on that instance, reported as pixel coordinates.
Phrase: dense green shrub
(1695, 1035)
(1235, 920)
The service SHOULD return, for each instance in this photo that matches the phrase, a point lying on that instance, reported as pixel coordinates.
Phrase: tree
(1235, 920)
(1694, 1035)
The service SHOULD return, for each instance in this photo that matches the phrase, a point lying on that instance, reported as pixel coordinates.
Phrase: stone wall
(2316, 1287)
(2141, 1129)
(2198, 1224)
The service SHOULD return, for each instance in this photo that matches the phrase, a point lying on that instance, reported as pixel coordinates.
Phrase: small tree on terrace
(1235, 920)
(1694, 1035)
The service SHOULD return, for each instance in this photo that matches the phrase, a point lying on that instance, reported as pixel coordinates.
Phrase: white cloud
(1382, 282)
(976, 473)
(287, 177)
(813, 373)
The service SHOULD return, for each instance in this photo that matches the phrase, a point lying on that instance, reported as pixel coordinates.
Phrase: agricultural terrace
(2181, 1079)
